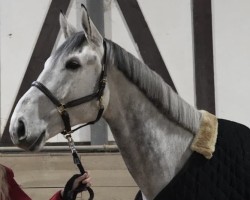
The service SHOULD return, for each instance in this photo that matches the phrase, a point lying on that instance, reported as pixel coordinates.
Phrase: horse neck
(153, 147)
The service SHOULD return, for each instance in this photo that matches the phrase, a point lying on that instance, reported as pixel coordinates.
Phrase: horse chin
(38, 143)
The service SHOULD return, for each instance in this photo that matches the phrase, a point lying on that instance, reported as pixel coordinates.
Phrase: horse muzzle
(21, 138)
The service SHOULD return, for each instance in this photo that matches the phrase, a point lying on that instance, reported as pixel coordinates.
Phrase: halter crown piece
(62, 110)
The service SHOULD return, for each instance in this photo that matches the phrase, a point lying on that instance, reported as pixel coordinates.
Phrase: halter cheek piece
(62, 110)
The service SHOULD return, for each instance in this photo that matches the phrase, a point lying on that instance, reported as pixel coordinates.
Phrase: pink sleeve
(57, 196)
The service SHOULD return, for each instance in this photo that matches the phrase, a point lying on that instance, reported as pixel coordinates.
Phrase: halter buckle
(104, 80)
(101, 102)
(61, 108)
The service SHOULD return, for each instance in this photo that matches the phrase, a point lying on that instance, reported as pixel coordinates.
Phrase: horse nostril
(21, 130)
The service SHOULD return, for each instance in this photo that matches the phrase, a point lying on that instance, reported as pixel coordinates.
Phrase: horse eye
(72, 64)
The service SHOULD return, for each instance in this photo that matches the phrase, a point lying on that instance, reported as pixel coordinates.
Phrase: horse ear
(66, 27)
(90, 29)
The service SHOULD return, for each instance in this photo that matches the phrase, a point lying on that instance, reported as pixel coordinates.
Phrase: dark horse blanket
(226, 176)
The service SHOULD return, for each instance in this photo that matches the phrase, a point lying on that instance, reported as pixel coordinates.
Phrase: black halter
(62, 108)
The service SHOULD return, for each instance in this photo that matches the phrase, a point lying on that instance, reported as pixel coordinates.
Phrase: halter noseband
(62, 107)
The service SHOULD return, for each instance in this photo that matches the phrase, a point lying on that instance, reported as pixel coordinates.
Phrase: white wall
(171, 25)
(21, 22)
(231, 29)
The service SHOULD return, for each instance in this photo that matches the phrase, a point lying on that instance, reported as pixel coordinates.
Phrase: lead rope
(78, 162)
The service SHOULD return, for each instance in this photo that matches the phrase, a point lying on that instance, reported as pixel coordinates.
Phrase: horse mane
(154, 88)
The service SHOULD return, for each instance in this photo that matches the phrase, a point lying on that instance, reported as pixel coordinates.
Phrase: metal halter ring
(61, 108)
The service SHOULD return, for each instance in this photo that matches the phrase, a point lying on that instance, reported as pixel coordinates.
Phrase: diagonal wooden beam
(203, 55)
(144, 39)
(41, 52)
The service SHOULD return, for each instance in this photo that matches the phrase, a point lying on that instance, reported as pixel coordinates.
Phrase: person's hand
(84, 179)
(77, 183)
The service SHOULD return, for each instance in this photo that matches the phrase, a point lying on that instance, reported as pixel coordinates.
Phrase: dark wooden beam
(99, 130)
(41, 52)
(203, 55)
(144, 39)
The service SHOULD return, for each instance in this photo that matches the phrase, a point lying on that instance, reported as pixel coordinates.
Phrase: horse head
(70, 74)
